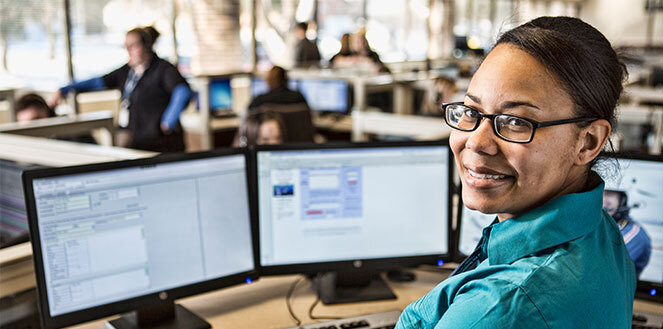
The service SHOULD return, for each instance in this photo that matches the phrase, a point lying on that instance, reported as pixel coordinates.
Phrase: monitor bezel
(141, 301)
(370, 264)
(643, 287)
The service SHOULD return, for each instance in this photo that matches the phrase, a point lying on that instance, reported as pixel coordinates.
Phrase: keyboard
(220, 114)
(647, 321)
(384, 320)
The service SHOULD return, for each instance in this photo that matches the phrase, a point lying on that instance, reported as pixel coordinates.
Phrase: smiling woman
(536, 115)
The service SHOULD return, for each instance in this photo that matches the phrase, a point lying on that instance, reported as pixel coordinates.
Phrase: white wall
(623, 22)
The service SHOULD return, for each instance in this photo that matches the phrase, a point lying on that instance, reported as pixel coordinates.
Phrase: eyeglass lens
(507, 126)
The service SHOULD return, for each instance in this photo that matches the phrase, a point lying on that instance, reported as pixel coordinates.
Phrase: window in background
(274, 22)
(479, 22)
(336, 18)
(99, 28)
(32, 45)
(386, 28)
(185, 36)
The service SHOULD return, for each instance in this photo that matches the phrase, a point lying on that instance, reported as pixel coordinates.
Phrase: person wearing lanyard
(153, 95)
(536, 115)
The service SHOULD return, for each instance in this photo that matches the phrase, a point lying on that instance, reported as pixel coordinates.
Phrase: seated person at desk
(33, 107)
(260, 128)
(552, 258)
(306, 51)
(636, 239)
(443, 91)
(345, 50)
(153, 95)
(360, 54)
(279, 93)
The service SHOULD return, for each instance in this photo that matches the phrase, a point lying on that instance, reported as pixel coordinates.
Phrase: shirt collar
(563, 219)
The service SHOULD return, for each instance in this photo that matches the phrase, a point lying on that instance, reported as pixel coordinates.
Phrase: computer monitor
(352, 208)
(640, 180)
(325, 95)
(470, 227)
(13, 217)
(220, 95)
(136, 235)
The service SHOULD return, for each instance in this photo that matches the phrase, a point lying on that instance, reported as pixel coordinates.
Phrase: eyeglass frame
(491, 117)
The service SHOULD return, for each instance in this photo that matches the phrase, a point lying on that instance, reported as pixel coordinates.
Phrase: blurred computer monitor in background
(325, 95)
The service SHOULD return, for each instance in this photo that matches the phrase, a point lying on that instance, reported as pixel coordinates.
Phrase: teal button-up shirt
(561, 265)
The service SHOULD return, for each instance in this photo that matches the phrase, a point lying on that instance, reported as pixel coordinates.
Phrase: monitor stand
(350, 287)
(161, 316)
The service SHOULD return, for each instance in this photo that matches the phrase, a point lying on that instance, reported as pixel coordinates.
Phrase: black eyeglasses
(508, 127)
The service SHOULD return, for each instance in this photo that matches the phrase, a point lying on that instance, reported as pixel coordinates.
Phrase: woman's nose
(482, 140)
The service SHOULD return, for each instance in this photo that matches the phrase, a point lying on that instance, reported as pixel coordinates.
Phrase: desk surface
(56, 153)
(262, 304)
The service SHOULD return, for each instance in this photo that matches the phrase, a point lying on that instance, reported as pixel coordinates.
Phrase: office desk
(262, 304)
(643, 94)
(415, 127)
(64, 126)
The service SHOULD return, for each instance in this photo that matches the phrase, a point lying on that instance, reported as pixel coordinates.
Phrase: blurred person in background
(153, 95)
(261, 128)
(306, 51)
(279, 93)
(32, 107)
(637, 241)
(360, 54)
(345, 51)
(443, 91)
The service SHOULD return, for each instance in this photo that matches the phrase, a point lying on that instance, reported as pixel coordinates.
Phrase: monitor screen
(638, 188)
(325, 95)
(13, 217)
(471, 228)
(220, 94)
(350, 203)
(108, 234)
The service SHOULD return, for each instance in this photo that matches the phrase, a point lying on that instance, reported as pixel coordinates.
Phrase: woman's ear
(591, 141)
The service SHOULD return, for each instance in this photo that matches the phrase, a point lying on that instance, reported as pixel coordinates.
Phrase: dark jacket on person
(147, 104)
(306, 53)
(279, 95)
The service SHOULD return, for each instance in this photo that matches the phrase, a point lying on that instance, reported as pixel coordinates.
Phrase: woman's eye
(517, 124)
(471, 114)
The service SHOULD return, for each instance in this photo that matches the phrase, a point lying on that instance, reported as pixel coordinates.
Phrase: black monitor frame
(359, 264)
(643, 287)
(137, 302)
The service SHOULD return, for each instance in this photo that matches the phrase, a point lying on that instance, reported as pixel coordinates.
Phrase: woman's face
(508, 178)
(269, 133)
(135, 49)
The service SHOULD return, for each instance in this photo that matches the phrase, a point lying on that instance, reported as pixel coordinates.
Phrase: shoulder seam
(534, 304)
